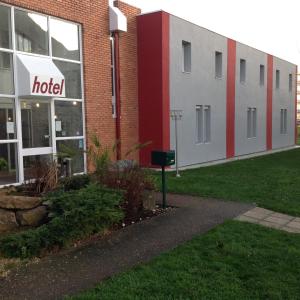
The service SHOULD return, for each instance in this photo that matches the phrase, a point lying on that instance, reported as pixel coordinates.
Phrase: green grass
(270, 181)
(298, 139)
(234, 261)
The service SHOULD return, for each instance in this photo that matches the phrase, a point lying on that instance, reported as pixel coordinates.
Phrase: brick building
(56, 81)
(70, 69)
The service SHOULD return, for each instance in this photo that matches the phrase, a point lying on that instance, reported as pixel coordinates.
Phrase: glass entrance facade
(34, 129)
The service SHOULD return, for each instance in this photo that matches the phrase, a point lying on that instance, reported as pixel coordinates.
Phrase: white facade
(202, 87)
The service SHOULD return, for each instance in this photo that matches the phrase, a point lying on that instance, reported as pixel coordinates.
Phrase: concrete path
(271, 219)
(79, 269)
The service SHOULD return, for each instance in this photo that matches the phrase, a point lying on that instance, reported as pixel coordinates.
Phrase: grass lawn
(234, 261)
(298, 131)
(271, 181)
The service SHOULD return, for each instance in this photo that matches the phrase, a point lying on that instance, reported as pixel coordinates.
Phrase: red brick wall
(94, 18)
(129, 80)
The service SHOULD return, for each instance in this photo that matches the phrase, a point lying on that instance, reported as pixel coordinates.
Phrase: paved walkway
(79, 269)
(271, 219)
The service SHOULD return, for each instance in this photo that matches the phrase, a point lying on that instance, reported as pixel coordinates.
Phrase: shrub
(75, 182)
(75, 214)
(133, 181)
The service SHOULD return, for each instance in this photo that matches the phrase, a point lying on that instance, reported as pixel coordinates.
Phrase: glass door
(36, 134)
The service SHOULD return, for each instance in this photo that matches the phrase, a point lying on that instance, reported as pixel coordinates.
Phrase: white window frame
(186, 46)
(262, 71)
(277, 79)
(251, 122)
(243, 71)
(203, 124)
(290, 82)
(283, 121)
(218, 65)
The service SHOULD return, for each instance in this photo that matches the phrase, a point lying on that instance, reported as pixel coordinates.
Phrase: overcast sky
(272, 26)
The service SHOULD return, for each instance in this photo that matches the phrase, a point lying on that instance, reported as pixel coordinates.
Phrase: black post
(164, 188)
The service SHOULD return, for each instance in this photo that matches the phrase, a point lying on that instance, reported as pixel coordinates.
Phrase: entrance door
(36, 134)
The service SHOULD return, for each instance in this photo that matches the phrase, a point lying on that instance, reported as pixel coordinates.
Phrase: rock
(32, 217)
(19, 202)
(7, 220)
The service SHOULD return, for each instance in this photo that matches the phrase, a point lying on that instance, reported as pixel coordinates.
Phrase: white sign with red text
(38, 76)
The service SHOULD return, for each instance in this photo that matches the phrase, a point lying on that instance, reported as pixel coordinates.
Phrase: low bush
(133, 181)
(75, 182)
(74, 215)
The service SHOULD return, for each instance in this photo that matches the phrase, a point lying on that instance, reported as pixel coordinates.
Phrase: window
(290, 82)
(76, 147)
(203, 123)
(30, 164)
(251, 122)
(283, 121)
(72, 74)
(242, 71)
(206, 124)
(5, 27)
(218, 64)
(31, 32)
(199, 120)
(7, 119)
(61, 46)
(187, 56)
(277, 79)
(35, 124)
(261, 75)
(8, 163)
(68, 118)
(6, 74)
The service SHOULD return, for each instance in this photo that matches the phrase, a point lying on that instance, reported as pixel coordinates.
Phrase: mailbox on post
(163, 159)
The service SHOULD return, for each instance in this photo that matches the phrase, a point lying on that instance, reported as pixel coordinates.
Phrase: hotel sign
(38, 76)
(51, 87)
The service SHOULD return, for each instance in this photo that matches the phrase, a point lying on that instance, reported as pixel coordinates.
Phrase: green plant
(68, 152)
(74, 215)
(75, 182)
(100, 156)
(3, 164)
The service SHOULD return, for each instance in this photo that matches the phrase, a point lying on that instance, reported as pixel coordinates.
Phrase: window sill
(203, 143)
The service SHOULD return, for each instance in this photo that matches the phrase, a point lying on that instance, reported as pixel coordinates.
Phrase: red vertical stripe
(296, 127)
(269, 102)
(230, 101)
(154, 94)
(166, 81)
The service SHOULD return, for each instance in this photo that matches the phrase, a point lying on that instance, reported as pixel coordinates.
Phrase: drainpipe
(118, 93)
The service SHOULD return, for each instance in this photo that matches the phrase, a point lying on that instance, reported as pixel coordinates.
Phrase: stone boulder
(33, 217)
(8, 220)
(19, 202)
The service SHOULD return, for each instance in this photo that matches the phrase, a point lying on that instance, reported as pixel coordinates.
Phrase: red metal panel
(153, 70)
(270, 102)
(230, 102)
(296, 127)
